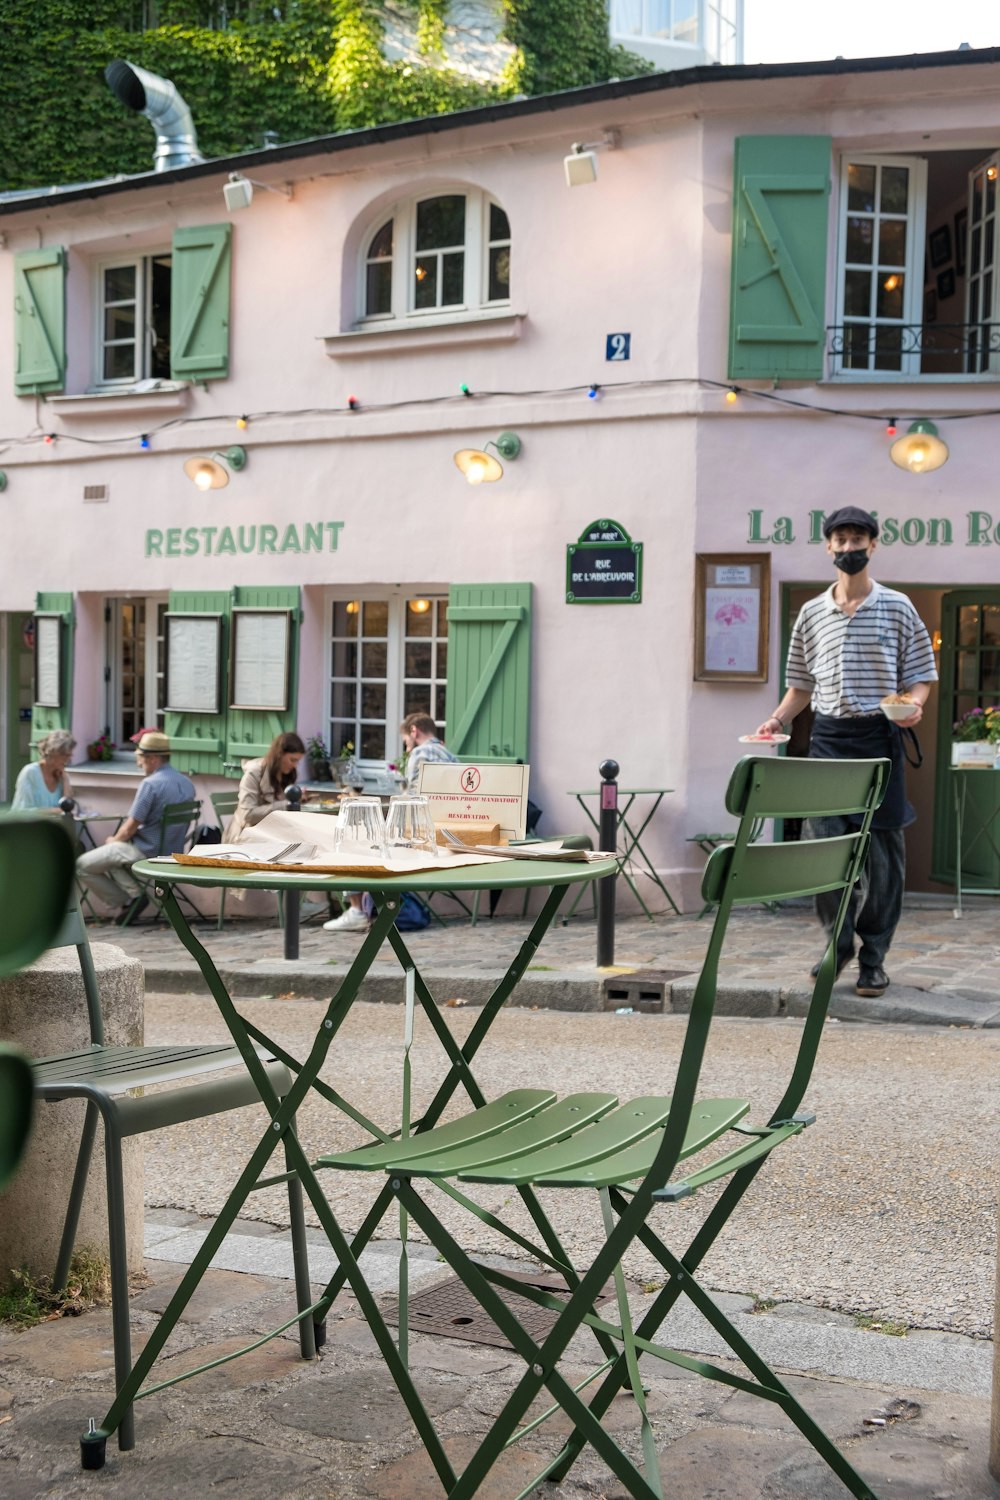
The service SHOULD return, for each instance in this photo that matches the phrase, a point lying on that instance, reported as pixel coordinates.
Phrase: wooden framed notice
(732, 609)
(260, 654)
(193, 663)
(48, 661)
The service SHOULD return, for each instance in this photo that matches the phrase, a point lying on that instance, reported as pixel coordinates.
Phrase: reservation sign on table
(471, 795)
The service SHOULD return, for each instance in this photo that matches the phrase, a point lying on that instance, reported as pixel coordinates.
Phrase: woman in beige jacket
(264, 784)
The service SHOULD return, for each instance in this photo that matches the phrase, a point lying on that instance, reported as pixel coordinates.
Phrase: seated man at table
(106, 870)
(421, 743)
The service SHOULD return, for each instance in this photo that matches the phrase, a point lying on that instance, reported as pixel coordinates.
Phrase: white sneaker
(350, 920)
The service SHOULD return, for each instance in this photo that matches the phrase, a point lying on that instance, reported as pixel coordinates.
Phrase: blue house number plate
(618, 346)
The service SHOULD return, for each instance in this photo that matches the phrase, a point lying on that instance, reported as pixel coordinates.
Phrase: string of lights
(733, 394)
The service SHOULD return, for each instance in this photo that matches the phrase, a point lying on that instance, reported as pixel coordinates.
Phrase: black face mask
(852, 562)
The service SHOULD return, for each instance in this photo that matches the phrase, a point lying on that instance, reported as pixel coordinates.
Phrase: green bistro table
(558, 877)
(633, 857)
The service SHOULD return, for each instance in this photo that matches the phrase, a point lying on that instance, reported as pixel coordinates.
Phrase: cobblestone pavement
(934, 956)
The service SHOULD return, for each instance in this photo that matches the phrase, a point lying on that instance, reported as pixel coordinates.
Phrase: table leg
(646, 866)
(959, 819)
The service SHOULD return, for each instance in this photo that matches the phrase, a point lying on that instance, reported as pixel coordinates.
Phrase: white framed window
(134, 664)
(880, 285)
(918, 267)
(388, 658)
(132, 308)
(436, 254)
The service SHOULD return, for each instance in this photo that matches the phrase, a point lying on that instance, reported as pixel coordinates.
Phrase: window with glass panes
(388, 658)
(881, 288)
(136, 684)
(133, 309)
(449, 253)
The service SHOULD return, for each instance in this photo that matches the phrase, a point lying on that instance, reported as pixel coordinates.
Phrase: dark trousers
(876, 902)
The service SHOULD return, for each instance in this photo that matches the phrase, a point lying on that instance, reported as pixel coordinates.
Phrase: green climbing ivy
(314, 68)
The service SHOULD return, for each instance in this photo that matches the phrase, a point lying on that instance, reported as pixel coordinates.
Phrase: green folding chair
(224, 804)
(175, 815)
(112, 1080)
(36, 877)
(628, 1153)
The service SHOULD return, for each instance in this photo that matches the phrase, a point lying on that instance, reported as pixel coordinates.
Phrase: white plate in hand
(764, 739)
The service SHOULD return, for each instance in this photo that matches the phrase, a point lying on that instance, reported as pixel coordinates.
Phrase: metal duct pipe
(157, 98)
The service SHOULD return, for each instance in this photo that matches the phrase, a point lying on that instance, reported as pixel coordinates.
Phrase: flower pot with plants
(975, 738)
(319, 759)
(103, 748)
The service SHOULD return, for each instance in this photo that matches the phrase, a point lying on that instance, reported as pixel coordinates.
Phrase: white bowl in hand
(897, 711)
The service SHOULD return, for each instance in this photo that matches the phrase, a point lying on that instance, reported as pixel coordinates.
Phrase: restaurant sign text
(232, 541)
(978, 528)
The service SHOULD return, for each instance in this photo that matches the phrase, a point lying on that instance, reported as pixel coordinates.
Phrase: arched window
(443, 254)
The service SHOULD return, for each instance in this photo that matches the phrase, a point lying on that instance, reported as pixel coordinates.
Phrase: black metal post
(608, 841)
(293, 796)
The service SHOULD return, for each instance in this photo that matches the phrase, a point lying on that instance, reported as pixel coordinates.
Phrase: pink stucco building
(704, 345)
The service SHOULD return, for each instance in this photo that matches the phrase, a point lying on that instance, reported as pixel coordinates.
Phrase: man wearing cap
(106, 870)
(850, 648)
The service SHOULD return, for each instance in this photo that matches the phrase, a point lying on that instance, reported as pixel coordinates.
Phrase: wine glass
(362, 823)
(410, 825)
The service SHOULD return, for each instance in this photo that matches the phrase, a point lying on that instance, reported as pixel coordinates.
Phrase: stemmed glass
(410, 825)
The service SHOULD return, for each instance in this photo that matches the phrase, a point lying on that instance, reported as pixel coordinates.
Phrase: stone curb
(576, 990)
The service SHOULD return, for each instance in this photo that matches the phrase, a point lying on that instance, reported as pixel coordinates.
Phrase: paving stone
(413, 1478)
(217, 1292)
(359, 1406)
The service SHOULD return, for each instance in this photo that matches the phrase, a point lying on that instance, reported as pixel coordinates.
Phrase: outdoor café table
(632, 857)
(557, 877)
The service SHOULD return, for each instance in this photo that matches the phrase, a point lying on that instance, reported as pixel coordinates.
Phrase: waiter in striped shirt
(853, 646)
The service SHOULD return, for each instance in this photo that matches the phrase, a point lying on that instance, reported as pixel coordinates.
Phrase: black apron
(870, 738)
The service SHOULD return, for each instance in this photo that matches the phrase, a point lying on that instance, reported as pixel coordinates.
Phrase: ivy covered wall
(301, 69)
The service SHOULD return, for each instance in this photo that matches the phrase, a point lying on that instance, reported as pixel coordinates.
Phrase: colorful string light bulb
(731, 396)
(464, 388)
(49, 439)
(594, 393)
(890, 427)
(352, 403)
(242, 423)
(144, 440)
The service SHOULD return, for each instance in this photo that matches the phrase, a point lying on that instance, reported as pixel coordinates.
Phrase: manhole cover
(450, 1310)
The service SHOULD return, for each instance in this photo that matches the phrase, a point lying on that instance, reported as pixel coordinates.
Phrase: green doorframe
(956, 697)
(18, 691)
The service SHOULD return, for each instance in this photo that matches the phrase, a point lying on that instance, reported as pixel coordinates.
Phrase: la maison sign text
(231, 541)
(978, 528)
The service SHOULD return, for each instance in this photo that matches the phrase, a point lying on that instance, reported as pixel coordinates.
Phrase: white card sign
(473, 794)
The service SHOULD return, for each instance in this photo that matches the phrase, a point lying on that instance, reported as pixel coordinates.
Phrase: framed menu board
(48, 661)
(260, 659)
(193, 665)
(732, 607)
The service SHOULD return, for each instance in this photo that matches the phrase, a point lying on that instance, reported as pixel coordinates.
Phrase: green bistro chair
(224, 805)
(36, 877)
(630, 1153)
(112, 1080)
(175, 815)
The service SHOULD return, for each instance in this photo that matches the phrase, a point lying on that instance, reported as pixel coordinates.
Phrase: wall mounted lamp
(921, 450)
(238, 191)
(580, 165)
(212, 473)
(480, 467)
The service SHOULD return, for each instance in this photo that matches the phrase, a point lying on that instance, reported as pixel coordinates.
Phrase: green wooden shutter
(39, 321)
(780, 235)
(197, 741)
(489, 671)
(199, 303)
(44, 720)
(250, 732)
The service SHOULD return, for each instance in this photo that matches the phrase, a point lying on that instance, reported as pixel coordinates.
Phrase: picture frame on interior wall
(940, 246)
(961, 240)
(930, 305)
(946, 284)
(732, 613)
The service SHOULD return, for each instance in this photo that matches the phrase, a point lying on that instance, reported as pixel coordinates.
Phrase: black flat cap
(850, 515)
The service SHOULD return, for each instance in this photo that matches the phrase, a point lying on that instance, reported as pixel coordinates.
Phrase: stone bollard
(43, 1010)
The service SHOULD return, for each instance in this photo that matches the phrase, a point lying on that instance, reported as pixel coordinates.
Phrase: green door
(970, 678)
(489, 671)
(18, 696)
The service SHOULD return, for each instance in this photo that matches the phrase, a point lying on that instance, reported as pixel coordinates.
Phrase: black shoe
(872, 981)
(129, 913)
(843, 959)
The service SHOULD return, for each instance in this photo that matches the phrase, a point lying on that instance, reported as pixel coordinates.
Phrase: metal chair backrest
(225, 804)
(179, 813)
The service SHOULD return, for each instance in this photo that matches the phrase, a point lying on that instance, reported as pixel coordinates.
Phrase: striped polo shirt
(851, 662)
